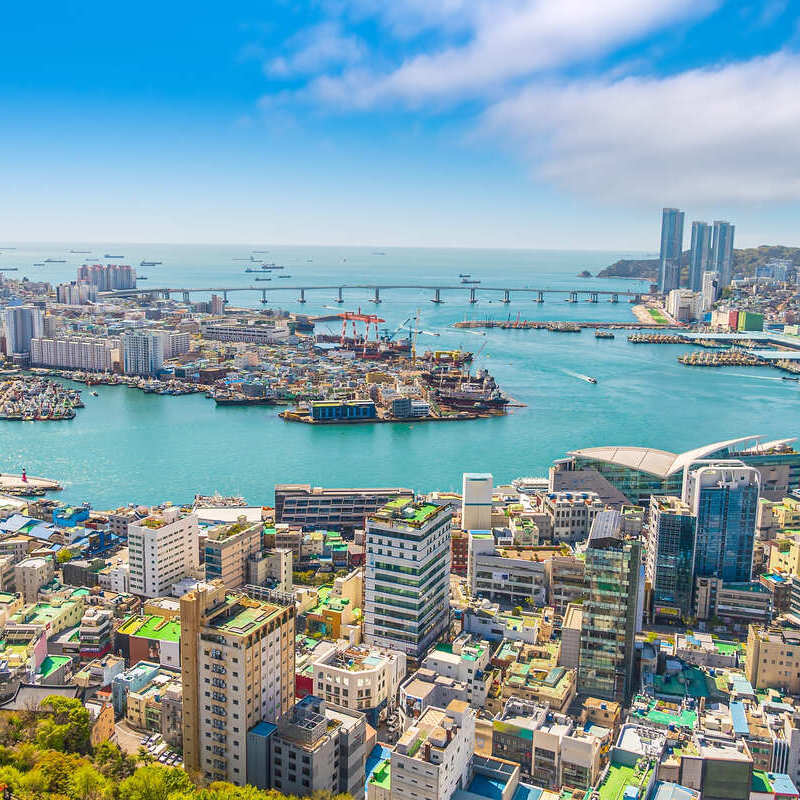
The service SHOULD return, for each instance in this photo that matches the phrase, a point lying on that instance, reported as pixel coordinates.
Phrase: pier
(504, 293)
(538, 324)
(15, 483)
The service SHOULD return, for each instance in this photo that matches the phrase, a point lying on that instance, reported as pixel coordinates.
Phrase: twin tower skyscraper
(711, 251)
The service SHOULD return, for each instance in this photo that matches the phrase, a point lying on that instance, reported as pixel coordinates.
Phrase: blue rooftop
(739, 719)
(263, 729)
(378, 754)
(487, 787)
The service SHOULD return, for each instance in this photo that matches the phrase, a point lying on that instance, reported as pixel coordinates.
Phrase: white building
(81, 353)
(512, 575)
(710, 289)
(433, 757)
(163, 548)
(76, 293)
(175, 344)
(684, 305)
(142, 352)
(360, 678)
(466, 660)
(571, 514)
(476, 501)
(408, 545)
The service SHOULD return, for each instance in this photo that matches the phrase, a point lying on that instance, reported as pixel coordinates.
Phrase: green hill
(745, 262)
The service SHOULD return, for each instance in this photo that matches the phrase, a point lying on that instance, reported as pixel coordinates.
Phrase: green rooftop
(51, 664)
(619, 777)
(152, 626)
(381, 776)
(242, 617)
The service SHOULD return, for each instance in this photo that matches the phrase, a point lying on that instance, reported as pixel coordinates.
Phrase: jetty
(26, 484)
(537, 324)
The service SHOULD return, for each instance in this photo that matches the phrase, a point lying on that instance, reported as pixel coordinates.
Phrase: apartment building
(466, 659)
(228, 549)
(360, 678)
(332, 509)
(237, 667)
(433, 757)
(96, 632)
(486, 620)
(773, 658)
(163, 548)
(80, 353)
(566, 581)
(317, 748)
(407, 576)
(570, 653)
(31, 574)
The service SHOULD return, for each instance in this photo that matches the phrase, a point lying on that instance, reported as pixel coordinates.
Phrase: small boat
(466, 280)
(141, 277)
(281, 276)
(94, 394)
(588, 378)
(464, 275)
(55, 261)
(603, 335)
(262, 279)
(790, 378)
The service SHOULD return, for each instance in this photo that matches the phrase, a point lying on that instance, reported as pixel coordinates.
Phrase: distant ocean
(126, 446)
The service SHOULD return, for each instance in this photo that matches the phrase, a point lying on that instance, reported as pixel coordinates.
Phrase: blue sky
(500, 123)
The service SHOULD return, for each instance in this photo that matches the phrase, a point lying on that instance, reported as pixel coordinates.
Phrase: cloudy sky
(467, 123)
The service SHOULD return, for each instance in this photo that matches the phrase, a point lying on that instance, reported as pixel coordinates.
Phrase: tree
(154, 782)
(87, 784)
(64, 555)
(75, 719)
(113, 763)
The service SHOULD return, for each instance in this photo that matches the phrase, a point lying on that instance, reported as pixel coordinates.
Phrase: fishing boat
(603, 335)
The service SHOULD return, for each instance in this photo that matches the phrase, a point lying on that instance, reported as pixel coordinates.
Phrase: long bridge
(573, 295)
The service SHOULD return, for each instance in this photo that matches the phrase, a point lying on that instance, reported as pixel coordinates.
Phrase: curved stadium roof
(661, 463)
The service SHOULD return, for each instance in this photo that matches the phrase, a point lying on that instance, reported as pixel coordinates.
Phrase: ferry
(588, 378)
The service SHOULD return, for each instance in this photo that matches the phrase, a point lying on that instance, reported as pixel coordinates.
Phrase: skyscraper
(699, 255)
(611, 611)
(724, 498)
(407, 577)
(671, 249)
(142, 352)
(22, 323)
(670, 557)
(722, 251)
(476, 501)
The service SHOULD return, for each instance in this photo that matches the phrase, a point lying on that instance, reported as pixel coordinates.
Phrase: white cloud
(317, 48)
(724, 134)
(508, 40)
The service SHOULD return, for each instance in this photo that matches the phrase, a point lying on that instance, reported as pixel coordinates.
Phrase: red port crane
(367, 319)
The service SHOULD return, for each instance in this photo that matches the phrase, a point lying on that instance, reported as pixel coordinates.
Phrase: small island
(584, 273)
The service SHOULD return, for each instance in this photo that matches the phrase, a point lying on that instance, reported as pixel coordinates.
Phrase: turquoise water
(128, 446)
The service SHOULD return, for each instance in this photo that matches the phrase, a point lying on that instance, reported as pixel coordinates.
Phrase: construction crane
(367, 319)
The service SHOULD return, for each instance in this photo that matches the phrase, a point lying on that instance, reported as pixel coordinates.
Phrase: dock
(14, 483)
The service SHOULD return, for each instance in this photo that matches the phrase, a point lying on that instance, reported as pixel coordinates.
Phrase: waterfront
(129, 446)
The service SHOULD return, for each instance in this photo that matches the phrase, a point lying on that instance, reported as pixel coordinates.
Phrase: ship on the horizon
(55, 261)
(149, 263)
(108, 255)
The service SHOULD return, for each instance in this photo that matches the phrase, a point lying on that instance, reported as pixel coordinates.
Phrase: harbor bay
(126, 445)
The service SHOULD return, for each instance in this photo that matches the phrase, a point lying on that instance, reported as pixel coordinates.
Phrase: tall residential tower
(722, 251)
(671, 248)
(699, 255)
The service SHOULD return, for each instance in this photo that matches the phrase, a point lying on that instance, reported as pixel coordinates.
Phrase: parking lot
(131, 740)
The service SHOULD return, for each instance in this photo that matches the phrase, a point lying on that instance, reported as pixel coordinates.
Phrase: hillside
(745, 262)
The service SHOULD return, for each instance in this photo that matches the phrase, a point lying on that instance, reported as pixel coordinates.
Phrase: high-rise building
(217, 305)
(237, 669)
(710, 289)
(163, 548)
(78, 352)
(670, 557)
(22, 323)
(723, 496)
(76, 293)
(611, 611)
(671, 249)
(107, 277)
(142, 352)
(407, 576)
(699, 255)
(722, 251)
(476, 501)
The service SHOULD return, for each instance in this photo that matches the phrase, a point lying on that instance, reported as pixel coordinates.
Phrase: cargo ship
(108, 255)
(149, 263)
(55, 261)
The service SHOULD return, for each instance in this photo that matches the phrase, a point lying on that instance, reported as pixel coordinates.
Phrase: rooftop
(405, 510)
(243, 615)
(619, 777)
(152, 626)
